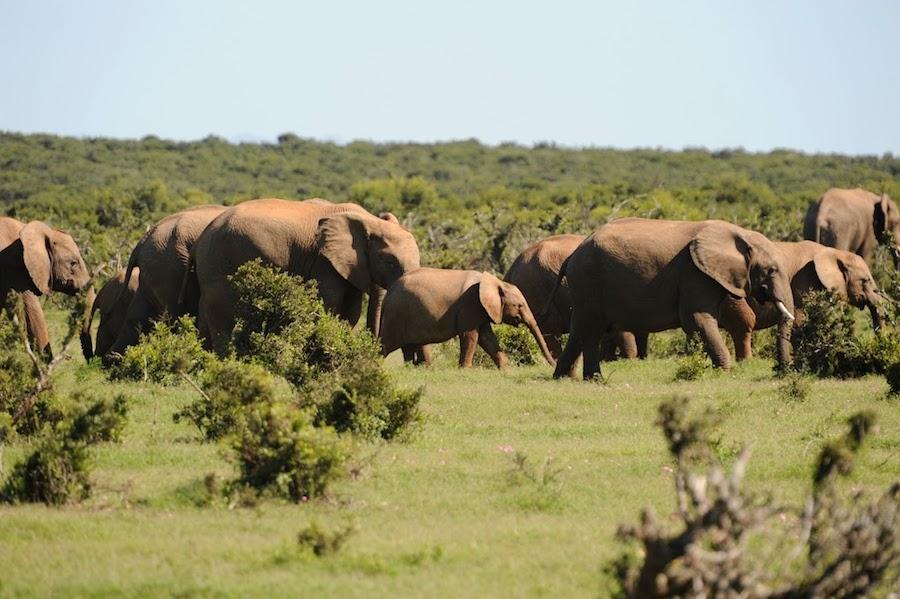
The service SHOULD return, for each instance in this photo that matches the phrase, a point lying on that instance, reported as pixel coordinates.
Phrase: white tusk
(784, 311)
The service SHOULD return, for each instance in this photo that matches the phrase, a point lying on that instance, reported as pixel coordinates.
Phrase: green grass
(437, 515)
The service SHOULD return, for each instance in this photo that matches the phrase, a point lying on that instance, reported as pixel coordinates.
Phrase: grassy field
(439, 514)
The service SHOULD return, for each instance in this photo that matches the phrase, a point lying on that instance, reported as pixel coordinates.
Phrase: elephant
(112, 302)
(35, 260)
(854, 220)
(162, 256)
(432, 305)
(637, 274)
(810, 267)
(344, 248)
(535, 271)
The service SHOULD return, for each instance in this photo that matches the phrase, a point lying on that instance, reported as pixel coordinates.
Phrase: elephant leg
(423, 355)
(553, 343)
(468, 343)
(737, 317)
(608, 348)
(708, 327)
(640, 341)
(140, 314)
(36, 324)
(590, 356)
(409, 354)
(489, 343)
(565, 365)
(627, 344)
(216, 318)
(373, 312)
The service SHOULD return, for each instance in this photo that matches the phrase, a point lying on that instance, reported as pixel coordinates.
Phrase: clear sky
(815, 76)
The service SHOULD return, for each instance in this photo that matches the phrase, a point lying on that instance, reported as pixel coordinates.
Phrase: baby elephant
(431, 305)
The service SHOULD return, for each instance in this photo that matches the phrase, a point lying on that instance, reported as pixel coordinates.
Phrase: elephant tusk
(784, 311)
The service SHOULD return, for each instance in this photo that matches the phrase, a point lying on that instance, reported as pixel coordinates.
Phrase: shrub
(278, 451)
(339, 374)
(163, 354)
(323, 542)
(795, 387)
(57, 471)
(727, 539)
(226, 389)
(695, 364)
(824, 340)
(518, 345)
(17, 372)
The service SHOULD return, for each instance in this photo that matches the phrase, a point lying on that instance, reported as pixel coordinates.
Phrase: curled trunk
(539, 337)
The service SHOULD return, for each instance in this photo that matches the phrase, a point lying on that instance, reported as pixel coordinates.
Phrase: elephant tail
(189, 294)
(545, 312)
(90, 305)
(129, 270)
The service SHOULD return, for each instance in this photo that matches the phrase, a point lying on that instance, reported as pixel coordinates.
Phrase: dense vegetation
(469, 205)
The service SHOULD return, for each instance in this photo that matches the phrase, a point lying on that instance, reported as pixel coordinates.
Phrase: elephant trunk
(373, 313)
(532, 325)
(86, 321)
(877, 320)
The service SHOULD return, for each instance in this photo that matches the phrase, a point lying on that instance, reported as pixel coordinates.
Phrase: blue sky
(815, 76)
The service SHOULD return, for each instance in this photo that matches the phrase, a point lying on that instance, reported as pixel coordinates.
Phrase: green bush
(518, 345)
(279, 452)
(795, 387)
(163, 354)
(57, 471)
(228, 387)
(824, 341)
(695, 364)
(337, 373)
(323, 542)
(17, 372)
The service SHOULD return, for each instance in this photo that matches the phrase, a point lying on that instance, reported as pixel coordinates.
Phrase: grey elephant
(855, 220)
(35, 260)
(535, 271)
(637, 274)
(341, 246)
(432, 305)
(810, 267)
(112, 303)
(162, 256)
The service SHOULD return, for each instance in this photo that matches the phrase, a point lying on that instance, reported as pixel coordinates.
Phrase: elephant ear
(490, 293)
(880, 217)
(832, 272)
(35, 237)
(723, 254)
(344, 241)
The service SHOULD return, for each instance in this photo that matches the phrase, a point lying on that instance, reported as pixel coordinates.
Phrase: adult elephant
(810, 267)
(112, 303)
(855, 220)
(35, 260)
(162, 256)
(535, 272)
(637, 274)
(343, 247)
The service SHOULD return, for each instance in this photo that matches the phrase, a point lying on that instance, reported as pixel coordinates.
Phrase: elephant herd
(608, 290)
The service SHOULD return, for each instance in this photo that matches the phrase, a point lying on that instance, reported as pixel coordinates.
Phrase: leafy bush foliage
(337, 373)
(323, 542)
(227, 388)
(163, 354)
(836, 546)
(518, 345)
(278, 451)
(57, 471)
(17, 373)
(695, 363)
(795, 387)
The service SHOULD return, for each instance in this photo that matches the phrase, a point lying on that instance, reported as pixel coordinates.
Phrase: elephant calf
(431, 305)
(112, 302)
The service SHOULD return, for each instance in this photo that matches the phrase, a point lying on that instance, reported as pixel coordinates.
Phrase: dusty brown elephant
(637, 274)
(162, 256)
(35, 260)
(343, 247)
(810, 267)
(535, 271)
(855, 220)
(432, 305)
(112, 302)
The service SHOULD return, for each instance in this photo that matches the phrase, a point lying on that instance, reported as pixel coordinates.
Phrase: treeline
(470, 205)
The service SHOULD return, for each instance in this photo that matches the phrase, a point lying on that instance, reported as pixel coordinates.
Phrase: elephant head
(744, 262)
(504, 303)
(52, 259)
(848, 275)
(365, 249)
(887, 225)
